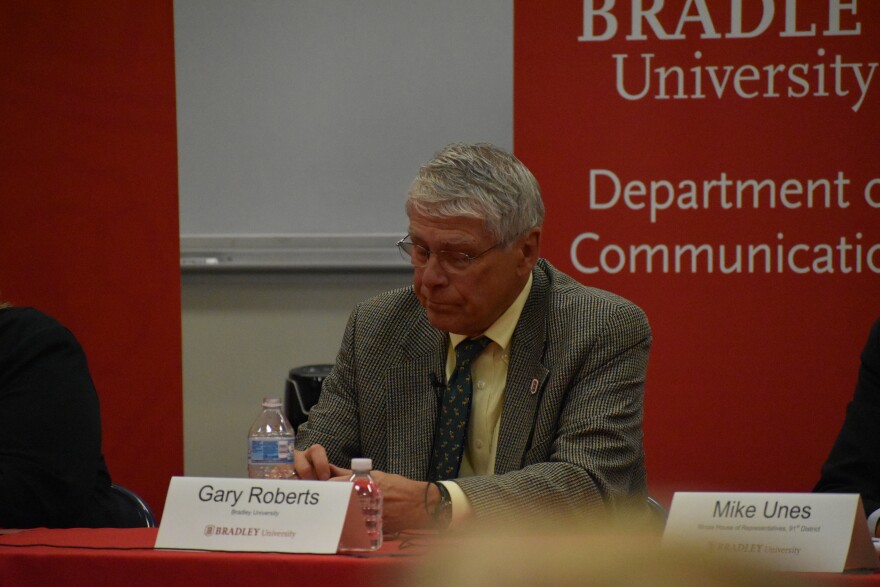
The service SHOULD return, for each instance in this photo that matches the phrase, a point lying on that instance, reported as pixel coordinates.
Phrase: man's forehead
(448, 230)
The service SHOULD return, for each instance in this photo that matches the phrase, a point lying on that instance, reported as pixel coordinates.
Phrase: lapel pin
(534, 388)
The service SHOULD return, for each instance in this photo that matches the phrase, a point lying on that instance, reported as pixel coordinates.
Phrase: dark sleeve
(51, 468)
(854, 463)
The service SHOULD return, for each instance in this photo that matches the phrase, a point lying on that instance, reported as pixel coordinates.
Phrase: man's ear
(530, 247)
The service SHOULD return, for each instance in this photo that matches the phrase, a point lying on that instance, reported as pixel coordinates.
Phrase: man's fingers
(312, 463)
(340, 472)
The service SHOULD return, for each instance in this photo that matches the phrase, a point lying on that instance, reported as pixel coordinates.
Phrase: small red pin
(534, 388)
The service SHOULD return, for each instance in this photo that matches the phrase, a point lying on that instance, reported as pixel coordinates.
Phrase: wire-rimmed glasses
(450, 261)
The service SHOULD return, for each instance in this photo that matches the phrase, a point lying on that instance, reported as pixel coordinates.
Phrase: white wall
(241, 336)
(302, 117)
(310, 117)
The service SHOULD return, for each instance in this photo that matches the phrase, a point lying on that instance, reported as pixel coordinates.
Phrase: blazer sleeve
(853, 466)
(333, 420)
(50, 427)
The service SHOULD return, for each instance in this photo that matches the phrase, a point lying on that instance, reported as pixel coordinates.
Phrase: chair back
(133, 502)
(302, 391)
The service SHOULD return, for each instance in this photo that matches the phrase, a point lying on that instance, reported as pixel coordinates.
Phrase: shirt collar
(501, 331)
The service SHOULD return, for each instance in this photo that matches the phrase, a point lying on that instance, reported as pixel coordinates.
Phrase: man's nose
(433, 273)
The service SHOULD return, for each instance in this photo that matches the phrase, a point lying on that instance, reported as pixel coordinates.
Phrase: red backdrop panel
(88, 222)
(752, 363)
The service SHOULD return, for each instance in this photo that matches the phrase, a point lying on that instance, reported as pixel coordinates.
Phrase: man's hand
(403, 500)
(312, 464)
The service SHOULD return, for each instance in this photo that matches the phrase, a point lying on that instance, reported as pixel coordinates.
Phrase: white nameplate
(255, 515)
(813, 532)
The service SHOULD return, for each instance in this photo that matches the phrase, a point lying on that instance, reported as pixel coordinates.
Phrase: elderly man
(496, 386)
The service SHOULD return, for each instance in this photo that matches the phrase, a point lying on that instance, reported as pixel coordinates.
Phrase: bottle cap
(271, 402)
(361, 465)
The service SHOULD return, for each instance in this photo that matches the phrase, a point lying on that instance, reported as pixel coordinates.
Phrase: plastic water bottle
(270, 444)
(371, 506)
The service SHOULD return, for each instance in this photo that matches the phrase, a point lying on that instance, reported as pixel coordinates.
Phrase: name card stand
(261, 515)
(805, 532)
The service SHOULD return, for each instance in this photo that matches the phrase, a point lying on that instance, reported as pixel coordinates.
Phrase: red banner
(88, 222)
(716, 162)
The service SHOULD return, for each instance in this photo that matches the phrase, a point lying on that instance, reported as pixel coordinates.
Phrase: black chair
(302, 390)
(137, 510)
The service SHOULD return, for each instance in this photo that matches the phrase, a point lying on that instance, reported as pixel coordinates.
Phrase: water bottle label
(271, 451)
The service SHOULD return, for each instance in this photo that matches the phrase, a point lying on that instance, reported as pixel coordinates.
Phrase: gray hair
(480, 181)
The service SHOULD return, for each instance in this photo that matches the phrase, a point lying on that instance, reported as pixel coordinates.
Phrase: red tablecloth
(111, 556)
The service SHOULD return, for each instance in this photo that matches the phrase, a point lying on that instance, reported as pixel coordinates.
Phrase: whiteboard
(301, 123)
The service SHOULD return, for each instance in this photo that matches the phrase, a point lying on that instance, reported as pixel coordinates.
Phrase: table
(112, 556)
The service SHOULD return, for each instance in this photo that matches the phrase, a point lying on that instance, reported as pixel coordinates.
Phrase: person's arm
(330, 436)
(50, 429)
(330, 439)
(853, 465)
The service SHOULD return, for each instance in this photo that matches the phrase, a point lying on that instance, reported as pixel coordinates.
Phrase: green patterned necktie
(455, 408)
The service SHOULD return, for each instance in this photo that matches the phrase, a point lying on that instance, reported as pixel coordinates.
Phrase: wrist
(438, 505)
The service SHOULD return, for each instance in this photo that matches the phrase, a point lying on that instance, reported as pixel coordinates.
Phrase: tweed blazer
(570, 436)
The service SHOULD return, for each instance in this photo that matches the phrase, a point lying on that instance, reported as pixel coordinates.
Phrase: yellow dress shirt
(489, 374)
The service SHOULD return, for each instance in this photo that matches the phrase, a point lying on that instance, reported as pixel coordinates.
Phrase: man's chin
(444, 318)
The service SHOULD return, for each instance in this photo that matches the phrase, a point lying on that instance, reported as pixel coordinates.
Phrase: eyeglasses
(450, 261)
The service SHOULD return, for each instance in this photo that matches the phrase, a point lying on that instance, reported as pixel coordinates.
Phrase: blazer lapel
(526, 376)
(413, 398)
